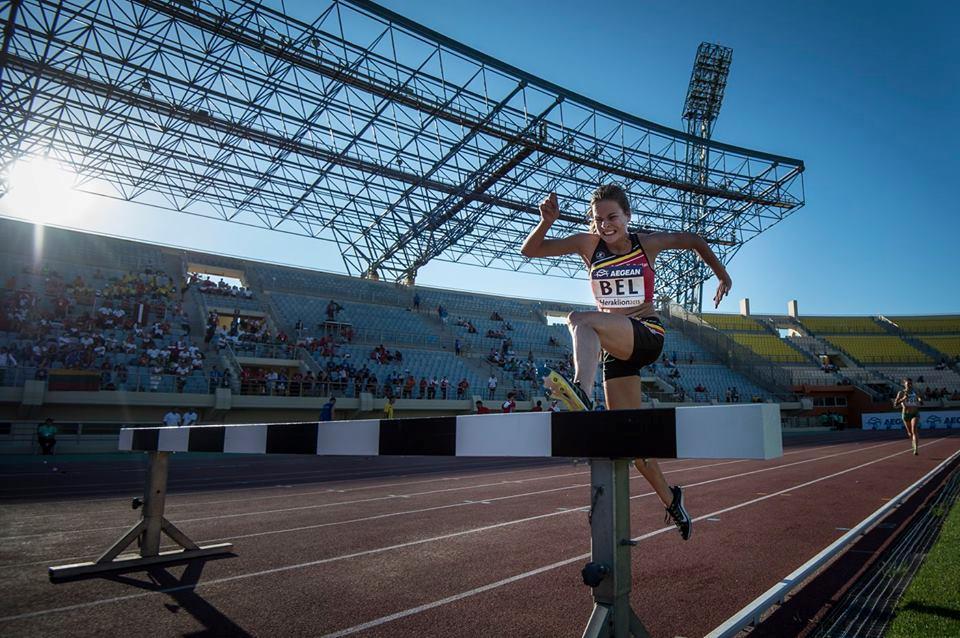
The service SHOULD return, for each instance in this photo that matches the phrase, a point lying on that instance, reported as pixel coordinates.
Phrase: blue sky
(866, 93)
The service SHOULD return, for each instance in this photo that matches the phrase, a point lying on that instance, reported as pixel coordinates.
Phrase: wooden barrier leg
(148, 530)
(608, 571)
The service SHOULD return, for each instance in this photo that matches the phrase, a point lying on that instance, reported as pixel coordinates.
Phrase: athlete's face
(610, 220)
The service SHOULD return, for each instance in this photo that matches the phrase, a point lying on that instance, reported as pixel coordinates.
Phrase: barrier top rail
(738, 431)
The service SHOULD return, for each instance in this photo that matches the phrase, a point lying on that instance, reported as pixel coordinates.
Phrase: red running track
(425, 547)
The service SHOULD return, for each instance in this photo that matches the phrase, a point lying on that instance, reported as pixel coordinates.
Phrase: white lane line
(74, 501)
(340, 479)
(472, 592)
(564, 510)
(385, 498)
(389, 497)
(290, 494)
(379, 550)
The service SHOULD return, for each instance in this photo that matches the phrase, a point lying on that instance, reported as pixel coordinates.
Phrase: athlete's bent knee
(577, 318)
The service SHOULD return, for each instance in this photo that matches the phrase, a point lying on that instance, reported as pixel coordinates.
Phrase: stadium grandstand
(131, 322)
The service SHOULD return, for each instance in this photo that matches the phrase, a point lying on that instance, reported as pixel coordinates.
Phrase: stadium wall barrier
(929, 420)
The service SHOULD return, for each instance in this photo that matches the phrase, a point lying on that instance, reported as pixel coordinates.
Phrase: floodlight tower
(700, 111)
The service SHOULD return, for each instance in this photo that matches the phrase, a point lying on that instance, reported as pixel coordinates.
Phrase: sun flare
(43, 191)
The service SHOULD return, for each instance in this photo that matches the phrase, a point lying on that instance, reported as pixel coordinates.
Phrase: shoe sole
(686, 516)
(560, 389)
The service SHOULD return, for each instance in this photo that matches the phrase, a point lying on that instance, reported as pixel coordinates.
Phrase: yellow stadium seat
(878, 349)
(769, 347)
(928, 325)
(732, 323)
(949, 346)
(841, 325)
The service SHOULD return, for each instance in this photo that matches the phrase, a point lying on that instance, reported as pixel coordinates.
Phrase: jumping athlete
(625, 328)
(910, 401)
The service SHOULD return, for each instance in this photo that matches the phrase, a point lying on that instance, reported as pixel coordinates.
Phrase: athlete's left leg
(625, 393)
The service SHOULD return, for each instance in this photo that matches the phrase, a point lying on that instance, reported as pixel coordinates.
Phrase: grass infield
(931, 604)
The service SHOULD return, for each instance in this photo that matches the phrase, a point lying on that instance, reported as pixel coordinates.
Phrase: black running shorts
(647, 345)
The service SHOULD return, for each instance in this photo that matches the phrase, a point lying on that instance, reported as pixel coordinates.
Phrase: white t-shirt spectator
(190, 417)
(492, 383)
(171, 418)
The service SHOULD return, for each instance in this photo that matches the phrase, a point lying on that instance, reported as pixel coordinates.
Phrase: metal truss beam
(353, 126)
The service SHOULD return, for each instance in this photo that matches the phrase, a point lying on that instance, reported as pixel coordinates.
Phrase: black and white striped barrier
(729, 431)
(609, 439)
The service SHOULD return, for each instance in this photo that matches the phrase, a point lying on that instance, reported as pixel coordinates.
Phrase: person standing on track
(909, 400)
(625, 329)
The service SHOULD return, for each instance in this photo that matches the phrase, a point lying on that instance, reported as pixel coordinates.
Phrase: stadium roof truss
(360, 128)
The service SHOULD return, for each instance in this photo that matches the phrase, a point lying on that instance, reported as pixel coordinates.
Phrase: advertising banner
(929, 420)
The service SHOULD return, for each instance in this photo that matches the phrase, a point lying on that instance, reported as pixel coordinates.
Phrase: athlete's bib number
(618, 292)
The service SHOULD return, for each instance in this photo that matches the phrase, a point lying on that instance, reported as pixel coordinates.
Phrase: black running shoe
(678, 514)
(566, 391)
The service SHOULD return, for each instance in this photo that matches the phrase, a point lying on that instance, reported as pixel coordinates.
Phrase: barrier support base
(147, 532)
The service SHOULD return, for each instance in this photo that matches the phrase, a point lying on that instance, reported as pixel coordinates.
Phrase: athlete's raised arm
(654, 243)
(536, 246)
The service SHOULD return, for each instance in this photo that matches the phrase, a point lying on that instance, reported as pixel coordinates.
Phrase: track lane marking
(460, 596)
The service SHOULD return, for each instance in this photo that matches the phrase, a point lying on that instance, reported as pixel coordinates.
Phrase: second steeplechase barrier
(610, 439)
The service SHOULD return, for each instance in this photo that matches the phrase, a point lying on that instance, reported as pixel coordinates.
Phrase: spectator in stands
(432, 388)
(456, 346)
(491, 386)
(172, 418)
(7, 360)
(190, 417)
(408, 386)
(416, 301)
(462, 387)
(482, 409)
(327, 412)
(332, 309)
(388, 407)
(47, 437)
(423, 387)
(538, 407)
(495, 316)
(509, 405)
(444, 387)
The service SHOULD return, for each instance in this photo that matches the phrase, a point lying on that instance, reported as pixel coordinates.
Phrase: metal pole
(612, 616)
(154, 497)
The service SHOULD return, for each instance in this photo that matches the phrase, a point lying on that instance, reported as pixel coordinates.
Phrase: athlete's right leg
(591, 332)
(914, 436)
